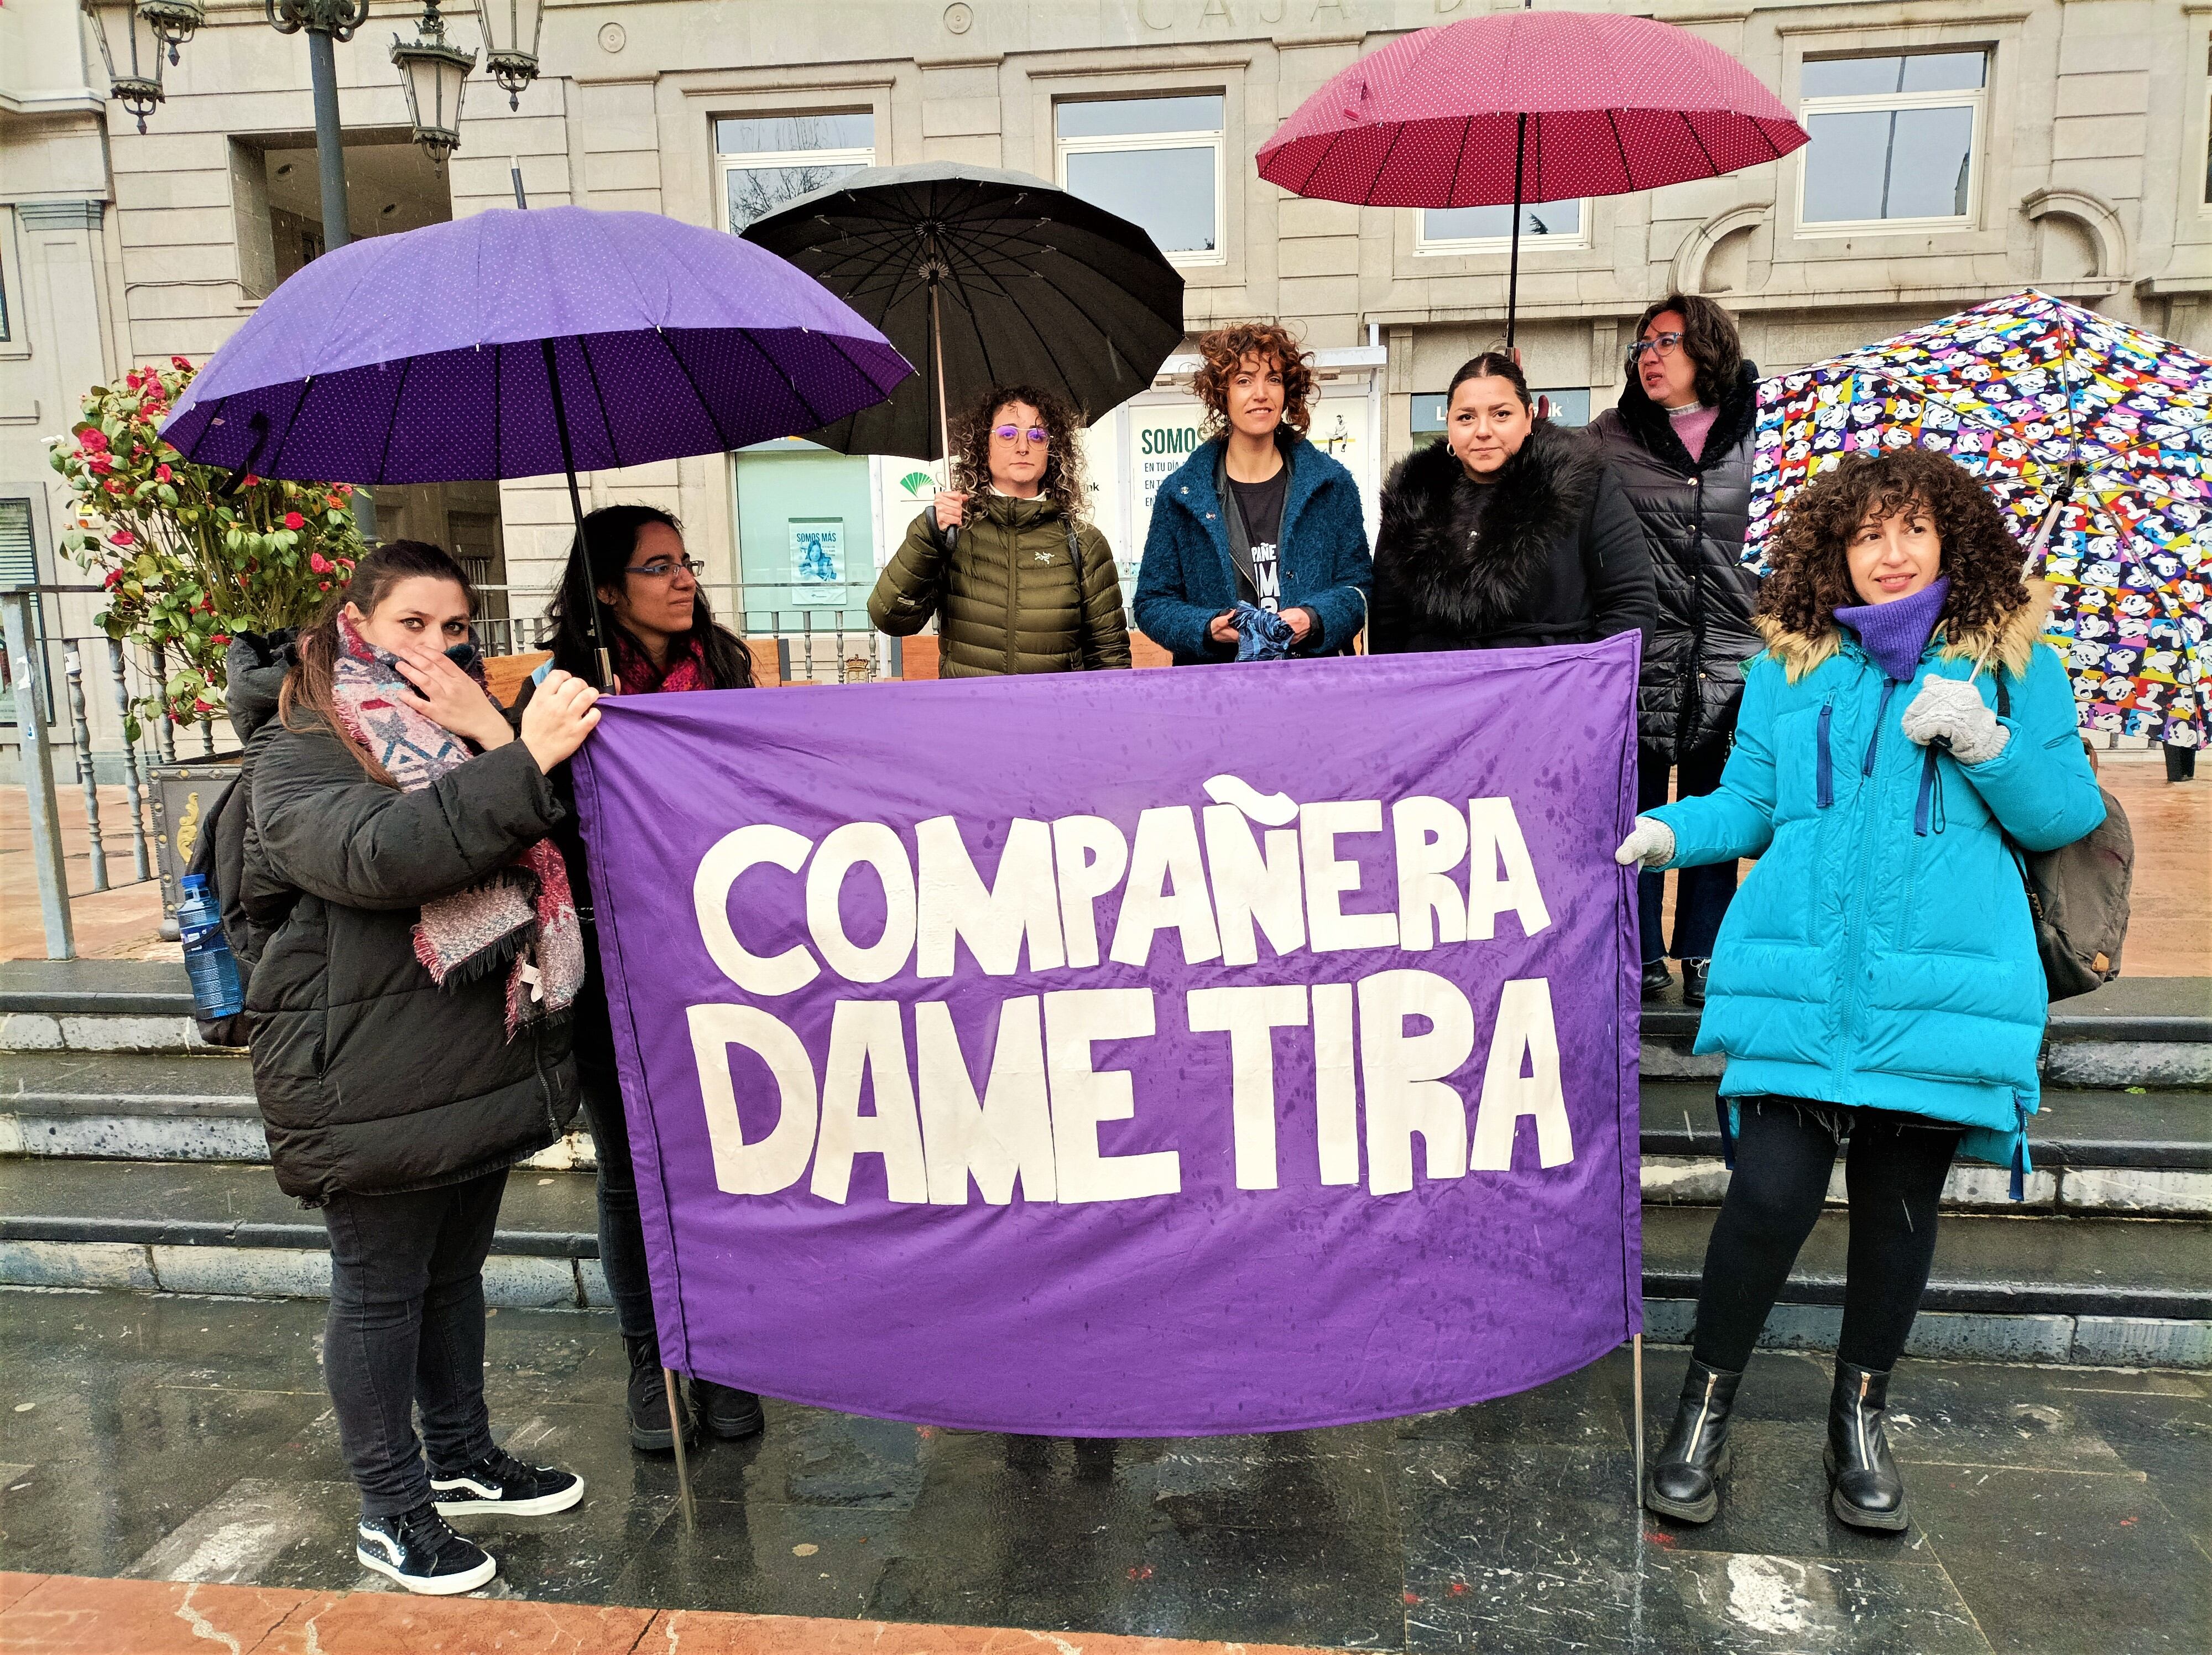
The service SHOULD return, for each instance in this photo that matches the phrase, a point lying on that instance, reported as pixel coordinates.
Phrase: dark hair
(1224, 350)
(597, 558)
(1811, 576)
(1492, 365)
(309, 683)
(1709, 335)
(1063, 482)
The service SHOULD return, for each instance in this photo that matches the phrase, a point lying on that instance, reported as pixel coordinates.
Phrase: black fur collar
(1462, 563)
(1652, 427)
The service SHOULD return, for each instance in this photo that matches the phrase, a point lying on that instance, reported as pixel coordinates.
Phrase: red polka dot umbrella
(1528, 106)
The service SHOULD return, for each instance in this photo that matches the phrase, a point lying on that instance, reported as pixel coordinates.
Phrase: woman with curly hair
(1020, 581)
(1876, 978)
(1257, 548)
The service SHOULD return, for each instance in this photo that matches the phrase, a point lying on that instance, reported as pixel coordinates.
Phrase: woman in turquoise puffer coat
(1877, 977)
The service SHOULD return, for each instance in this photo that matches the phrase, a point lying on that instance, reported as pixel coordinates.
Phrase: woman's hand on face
(949, 508)
(1223, 629)
(451, 698)
(559, 717)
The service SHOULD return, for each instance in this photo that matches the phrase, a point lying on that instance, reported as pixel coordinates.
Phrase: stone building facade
(1963, 149)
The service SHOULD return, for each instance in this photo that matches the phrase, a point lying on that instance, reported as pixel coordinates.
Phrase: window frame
(15, 295)
(1125, 142)
(756, 160)
(1462, 246)
(1977, 100)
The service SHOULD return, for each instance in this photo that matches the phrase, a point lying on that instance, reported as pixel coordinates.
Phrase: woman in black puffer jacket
(1680, 444)
(417, 952)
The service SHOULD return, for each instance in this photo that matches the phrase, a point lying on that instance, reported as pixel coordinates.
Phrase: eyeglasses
(1665, 343)
(1008, 433)
(660, 568)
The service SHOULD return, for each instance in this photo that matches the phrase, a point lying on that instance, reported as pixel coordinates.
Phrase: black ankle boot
(1682, 1484)
(1694, 973)
(1866, 1491)
(646, 1401)
(730, 1413)
(1657, 979)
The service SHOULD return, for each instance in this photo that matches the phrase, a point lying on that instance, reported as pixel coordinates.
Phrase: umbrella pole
(576, 509)
(1513, 263)
(937, 362)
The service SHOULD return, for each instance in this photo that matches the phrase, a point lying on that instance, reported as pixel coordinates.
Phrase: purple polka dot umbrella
(1528, 106)
(515, 343)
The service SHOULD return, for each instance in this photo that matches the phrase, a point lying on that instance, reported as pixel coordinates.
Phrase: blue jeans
(406, 1328)
(1702, 895)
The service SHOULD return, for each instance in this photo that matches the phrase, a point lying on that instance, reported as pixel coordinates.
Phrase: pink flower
(111, 578)
(114, 485)
(99, 465)
(218, 637)
(345, 490)
(161, 474)
(294, 520)
(319, 563)
(178, 362)
(123, 537)
(251, 482)
(93, 440)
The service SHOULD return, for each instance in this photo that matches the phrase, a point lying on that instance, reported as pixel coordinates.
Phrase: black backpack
(2078, 894)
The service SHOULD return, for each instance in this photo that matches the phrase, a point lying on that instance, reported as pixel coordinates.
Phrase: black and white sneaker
(501, 1483)
(421, 1554)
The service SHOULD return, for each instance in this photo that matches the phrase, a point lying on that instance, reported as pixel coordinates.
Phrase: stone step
(2045, 1286)
(2144, 1152)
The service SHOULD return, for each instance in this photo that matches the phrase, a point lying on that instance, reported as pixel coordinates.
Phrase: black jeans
(406, 1327)
(1702, 895)
(621, 1233)
(1784, 1152)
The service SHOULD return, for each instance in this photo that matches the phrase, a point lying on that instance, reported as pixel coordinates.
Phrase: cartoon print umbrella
(519, 344)
(982, 277)
(2094, 439)
(1528, 106)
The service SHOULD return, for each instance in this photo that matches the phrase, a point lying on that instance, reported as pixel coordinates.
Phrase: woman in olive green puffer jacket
(1019, 583)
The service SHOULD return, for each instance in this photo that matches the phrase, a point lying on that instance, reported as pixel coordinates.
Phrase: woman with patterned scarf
(662, 638)
(418, 953)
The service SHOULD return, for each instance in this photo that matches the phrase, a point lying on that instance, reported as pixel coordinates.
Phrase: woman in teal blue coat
(1877, 977)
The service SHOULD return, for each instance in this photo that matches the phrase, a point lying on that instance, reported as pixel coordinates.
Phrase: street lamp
(511, 29)
(325, 22)
(173, 22)
(434, 75)
(131, 47)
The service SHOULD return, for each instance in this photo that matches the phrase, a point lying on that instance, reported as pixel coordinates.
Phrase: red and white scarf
(522, 916)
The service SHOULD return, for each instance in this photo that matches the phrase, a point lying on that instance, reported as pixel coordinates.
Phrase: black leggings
(1784, 1154)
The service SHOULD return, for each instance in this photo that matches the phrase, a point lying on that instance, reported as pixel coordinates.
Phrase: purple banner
(1132, 1053)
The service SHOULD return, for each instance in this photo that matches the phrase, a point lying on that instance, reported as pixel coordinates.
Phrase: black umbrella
(982, 278)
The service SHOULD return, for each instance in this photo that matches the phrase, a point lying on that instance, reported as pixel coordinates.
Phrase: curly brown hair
(1709, 335)
(1812, 576)
(1063, 483)
(1224, 350)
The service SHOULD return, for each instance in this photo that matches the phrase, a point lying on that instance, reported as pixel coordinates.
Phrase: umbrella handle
(2036, 548)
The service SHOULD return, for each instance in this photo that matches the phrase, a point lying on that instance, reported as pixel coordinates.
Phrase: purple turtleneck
(1896, 632)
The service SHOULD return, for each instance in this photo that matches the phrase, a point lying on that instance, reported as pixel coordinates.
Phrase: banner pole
(1636, 1345)
(683, 1470)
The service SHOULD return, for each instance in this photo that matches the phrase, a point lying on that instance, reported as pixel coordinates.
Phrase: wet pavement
(2055, 1509)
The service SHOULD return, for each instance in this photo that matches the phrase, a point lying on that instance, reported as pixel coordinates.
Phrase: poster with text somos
(1222, 1048)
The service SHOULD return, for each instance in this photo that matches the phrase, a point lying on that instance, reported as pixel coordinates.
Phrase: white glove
(1651, 843)
(1953, 709)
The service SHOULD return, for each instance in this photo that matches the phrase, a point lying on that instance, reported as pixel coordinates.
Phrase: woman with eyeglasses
(1680, 441)
(1509, 533)
(1018, 581)
(661, 636)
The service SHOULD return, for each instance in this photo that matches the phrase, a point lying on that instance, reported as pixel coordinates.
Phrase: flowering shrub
(186, 566)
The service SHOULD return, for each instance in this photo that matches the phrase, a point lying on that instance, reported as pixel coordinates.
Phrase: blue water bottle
(208, 958)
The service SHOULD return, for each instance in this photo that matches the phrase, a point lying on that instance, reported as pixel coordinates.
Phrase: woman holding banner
(1257, 549)
(418, 953)
(662, 638)
(1679, 443)
(1509, 533)
(1019, 581)
(1877, 977)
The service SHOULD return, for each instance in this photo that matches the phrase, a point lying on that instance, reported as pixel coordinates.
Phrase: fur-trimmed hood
(1463, 559)
(2010, 643)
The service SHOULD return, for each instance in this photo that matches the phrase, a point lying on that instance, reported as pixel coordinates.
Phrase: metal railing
(53, 675)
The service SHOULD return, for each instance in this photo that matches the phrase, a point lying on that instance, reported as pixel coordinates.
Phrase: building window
(1489, 229)
(1893, 138)
(768, 160)
(1155, 161)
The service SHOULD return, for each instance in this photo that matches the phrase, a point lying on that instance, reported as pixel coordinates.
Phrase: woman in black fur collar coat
(1509, 533)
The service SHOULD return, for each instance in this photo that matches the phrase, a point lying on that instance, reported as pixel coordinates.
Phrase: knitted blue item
(1895, 633)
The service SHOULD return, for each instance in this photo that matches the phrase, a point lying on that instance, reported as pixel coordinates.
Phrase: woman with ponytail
(661, 637)
(418, 953)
